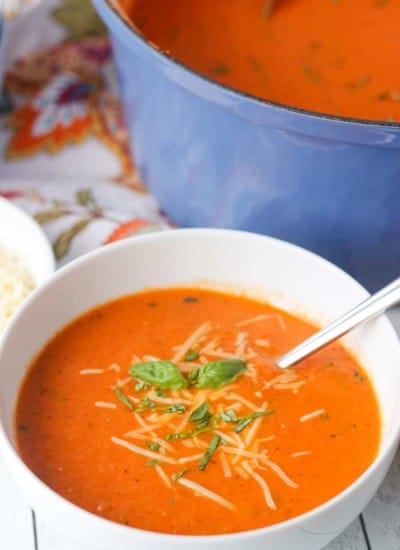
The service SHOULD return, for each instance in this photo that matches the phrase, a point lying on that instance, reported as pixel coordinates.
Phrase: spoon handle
(372, 306)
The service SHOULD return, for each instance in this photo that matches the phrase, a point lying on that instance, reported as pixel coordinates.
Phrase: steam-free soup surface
(167, 446)
(339, 57)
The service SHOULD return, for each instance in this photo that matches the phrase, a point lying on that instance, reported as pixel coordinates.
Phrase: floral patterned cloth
(64, 153)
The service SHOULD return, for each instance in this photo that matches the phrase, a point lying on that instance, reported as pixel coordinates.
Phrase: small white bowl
(287, 276)
(21, 235)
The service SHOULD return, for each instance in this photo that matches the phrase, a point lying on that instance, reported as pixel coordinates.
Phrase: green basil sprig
(215, 441)
(163, 374)
(166, 376)
(244, 421)
(217, 373)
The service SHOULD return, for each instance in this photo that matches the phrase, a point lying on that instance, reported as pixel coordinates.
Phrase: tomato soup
(164, 409)
(339, 57)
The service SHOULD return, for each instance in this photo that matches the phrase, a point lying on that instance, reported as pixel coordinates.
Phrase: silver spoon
(372, 306)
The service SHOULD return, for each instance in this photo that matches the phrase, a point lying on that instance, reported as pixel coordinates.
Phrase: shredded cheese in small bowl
(15, 284)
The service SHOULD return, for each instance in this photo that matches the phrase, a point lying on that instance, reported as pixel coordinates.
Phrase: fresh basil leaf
(228, 416)
(192, 355)
(153, 446)
(153, 462)
(200, 413)
(215, 441)
(122, 397)
(162, 374)
(219, 373)
(178, 475)
(243, 422)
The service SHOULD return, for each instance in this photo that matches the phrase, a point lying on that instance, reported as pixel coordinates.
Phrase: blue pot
(216, 157)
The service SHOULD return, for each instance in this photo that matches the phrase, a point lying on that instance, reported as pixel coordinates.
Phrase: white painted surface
(382, 516)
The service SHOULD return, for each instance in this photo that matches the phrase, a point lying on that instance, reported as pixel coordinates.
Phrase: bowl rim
(40, 238)
(236, 92)
(8, 449)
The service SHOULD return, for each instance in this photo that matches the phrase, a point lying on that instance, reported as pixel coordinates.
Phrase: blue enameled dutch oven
(214, 156)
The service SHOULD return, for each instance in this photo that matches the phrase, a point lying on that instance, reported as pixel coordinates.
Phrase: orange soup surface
(339, 57)
(163, 410)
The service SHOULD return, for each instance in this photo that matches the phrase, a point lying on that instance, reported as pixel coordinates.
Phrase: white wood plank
(16, 532)
(382, 516)
(352, 539)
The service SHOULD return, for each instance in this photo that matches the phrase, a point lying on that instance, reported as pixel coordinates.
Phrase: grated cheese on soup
(15, 284)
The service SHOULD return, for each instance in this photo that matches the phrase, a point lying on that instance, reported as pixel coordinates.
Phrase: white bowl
(21, 235)
(286, 275)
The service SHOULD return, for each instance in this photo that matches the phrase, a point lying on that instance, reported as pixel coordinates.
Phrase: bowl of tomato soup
(280, 119)
(139, 399)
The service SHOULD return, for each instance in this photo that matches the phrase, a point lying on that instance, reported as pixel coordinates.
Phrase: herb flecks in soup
(163, 409)
(339, 57)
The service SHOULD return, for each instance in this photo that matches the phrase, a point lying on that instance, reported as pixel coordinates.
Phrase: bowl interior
(22, 235)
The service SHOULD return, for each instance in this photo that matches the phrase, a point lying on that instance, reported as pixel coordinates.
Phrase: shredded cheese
(263, 343)
(235, 397)
(311, 415)
(202, 330)
(263, 484)
(15, 285)
(115, 367)
(105, 405)
(91, 371)
(225, 464)
(203, 491)
(241, 472)
(279, 472)
(191, 458)
(158, 440)
(262, 318)
(301, 453)
(143, 452)
(163, 476)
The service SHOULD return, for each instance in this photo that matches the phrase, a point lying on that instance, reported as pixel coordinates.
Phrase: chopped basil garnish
(189, 433)
(122, 397)
(159, 392)
(190, 300)
(141, 386)
(162, 374)
(176, 408)
(243, 422)
(153, 446)
(192, 355)
(146, 404)
(215, 441)
(152, 462)
(200, 413)
(178, 475)
(228, 416)
(192, 376)
(219, 373)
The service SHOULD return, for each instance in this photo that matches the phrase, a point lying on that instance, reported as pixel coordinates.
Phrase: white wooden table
(377, 529)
